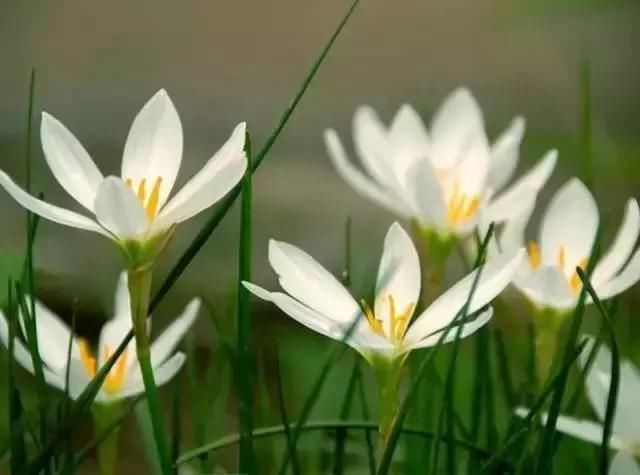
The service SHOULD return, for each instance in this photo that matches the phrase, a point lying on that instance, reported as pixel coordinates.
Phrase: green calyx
(138, 254)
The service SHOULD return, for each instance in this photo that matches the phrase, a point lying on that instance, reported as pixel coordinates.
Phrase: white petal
(467, 329)
(547, 287)
(166, 343)
(119, 210)
(154, 145)
(162, 374)
(472, 170)
(426, 194)
(398, 282)
(582, 429)
(122, 300)
(219, 175)
(310, 283)
(597, 387)
(48, 211)
(372, 145)
(512, 236)
(571, 223)
(517, 197)
(495, 275)
(361, 338)
(623, 281)
(79, 379)
(408, 136)
(69, 161)
(624, 464)
(53, 337)
(359, 182)
(456, 124)
(504, 154)
(622, 246)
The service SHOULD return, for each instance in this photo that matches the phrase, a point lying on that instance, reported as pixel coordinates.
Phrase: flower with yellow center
(388, 328)
(625, 436)
(124, 379)
(445, 178)
(135, 206)
(567, 234)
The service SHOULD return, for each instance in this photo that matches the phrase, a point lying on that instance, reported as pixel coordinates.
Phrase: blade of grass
(295, 463)
(535, 408)
(585, 136)
(371, 457)
(148, 441)
(246, 455)
(175, 422)
(614, 382)
(387, 455)
(545, 455)
(345, 411)
(232, 439)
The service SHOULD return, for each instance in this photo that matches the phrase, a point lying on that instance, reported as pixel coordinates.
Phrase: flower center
(149, 201)
(398, 321)
(115, 379)
(461, 207)
(535, 260)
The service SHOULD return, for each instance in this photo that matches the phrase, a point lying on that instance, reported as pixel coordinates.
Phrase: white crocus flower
(444, 178)
(133, 207)
(567, 234)
(625, 437)
(387, 328)
(124, 379)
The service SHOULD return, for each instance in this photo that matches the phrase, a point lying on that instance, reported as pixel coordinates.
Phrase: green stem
(547, 325)
(107, 450)
(139, 290)
(388, 374)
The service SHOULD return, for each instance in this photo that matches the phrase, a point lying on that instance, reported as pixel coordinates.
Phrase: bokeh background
(225, 61)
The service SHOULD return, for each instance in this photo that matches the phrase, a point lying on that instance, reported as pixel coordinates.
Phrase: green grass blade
(345, 411)
(508, 389)
(585, 137)
(148, 439)
(244, 354)
(176, 417)
(295, 463)
(614, 383)
(232, 439)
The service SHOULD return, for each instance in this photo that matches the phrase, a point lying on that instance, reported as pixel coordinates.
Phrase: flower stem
(388, 374)
(107, 451)
(547, 325)
(139, 290)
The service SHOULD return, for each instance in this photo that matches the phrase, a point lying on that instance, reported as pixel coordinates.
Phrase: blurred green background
(226, 61)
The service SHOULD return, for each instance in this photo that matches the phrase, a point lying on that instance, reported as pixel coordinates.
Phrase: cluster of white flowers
(448, 180)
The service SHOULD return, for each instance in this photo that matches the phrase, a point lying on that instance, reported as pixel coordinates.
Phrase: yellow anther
(461, 207)
(142, 192)
(154, 198)
(399, 322)
(574, 281)
(533, 250)
(129, 183)
(115, 379)
(374, 324)
(88, 361)
(561, 257)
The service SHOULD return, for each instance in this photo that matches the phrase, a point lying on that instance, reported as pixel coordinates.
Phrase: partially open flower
(124, 379)
(445, 178)
(386, 327)
(567, 234)
(133, 209)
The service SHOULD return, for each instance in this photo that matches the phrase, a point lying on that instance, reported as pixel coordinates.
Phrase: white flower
(444, 178)
(567, 234)
(133, 207)
(319, 301)
(124, 379)
(625, 437)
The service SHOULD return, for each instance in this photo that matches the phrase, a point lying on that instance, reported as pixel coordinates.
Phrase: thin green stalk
(295, 463)
(107, 451)
(232, 439)
(139, 291)
(246, 455)
(341, 434)
(371, 457)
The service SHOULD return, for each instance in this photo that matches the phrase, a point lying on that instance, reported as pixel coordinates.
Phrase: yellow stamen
(399, 322)
(533, 250)
(88, 361)
(142, 192)
(574, 281)
(115, 379)
(129, 183)
(152, 205)
(374, 324)
(461, 207)
(561, 257)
